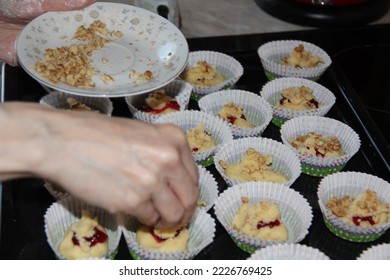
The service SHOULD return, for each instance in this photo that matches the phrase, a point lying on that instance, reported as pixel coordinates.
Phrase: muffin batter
(163, 240)
(234, 114)
(200, 140)
(364, 210)
(254, 166)
(298, 98)
(318, 145)
(299, 57)
(159, 103)
(84, 239)
(261, 219)
(203, 74)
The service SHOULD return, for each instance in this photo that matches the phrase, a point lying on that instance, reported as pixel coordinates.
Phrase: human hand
(14, 14)
(122, 165)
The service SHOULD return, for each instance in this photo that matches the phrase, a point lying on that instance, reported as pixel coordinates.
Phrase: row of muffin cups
(285, 160)
(259, 110)
(207, 100)
(296, 214)
(266, 145)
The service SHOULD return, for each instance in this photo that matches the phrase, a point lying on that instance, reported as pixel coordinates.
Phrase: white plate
(149, 42)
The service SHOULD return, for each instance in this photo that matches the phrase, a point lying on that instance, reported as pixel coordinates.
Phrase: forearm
(22, 142)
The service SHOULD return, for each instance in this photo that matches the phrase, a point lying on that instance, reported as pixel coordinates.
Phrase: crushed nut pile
(318, 145)
(71, 65)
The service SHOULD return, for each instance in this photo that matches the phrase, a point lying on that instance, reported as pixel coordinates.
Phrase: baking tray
(26, 200)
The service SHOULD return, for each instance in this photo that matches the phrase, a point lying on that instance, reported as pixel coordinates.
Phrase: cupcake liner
(377, 252)
(61, 214)
(56, 191)
(208, 189)
(256, 109)
(284, 160)
(190, 119)
(201, 230)
(318, 166)
(56, 99)
(271, 92)
(352, 184)
(228, 66)
(178, 89)
(271, 54)
(288, 252)
(296, 213)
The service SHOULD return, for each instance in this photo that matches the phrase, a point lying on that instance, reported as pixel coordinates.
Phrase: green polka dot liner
(352, 184)
(317, 165)
(296, 213)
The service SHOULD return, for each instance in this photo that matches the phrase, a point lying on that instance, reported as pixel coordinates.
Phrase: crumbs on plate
(72, 64)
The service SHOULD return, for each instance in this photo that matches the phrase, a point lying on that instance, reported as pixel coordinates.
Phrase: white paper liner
(284, 160)
(376, 252)
(225, 64)
(190, 119)
(201, 230)
(257, 111)
(296, 213)
(288, 252)
(352, 184)
(56, 191)
(272, 93)
(271, 54)
(350, 141)
(208, 189)
(61, 214)
(56, 99)
(177, 89)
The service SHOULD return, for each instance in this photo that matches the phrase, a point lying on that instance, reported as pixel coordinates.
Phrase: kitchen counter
(204, 18)
(234, 17)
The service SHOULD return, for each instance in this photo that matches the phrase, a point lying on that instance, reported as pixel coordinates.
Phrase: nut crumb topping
(318, 145)
(71, 64)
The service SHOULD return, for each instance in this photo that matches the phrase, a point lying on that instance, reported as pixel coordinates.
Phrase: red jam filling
(271, 224)
(283, 100)
(314, 102)
(158, 238)
(319, 154)
(98, 237)
(357, 220)
(231, 119)
(169, 105)
(195, 150)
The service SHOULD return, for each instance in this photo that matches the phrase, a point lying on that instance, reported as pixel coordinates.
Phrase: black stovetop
(357, 77)
(325, 16)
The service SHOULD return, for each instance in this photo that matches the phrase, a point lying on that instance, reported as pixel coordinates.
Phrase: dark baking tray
(26, 200)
